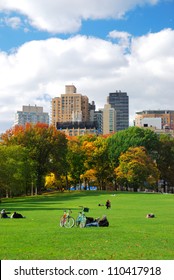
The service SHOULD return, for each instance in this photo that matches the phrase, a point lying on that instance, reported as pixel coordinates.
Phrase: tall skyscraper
(120, 102)
(31, 114)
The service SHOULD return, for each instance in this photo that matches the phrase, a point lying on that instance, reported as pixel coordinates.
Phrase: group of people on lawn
(99, 222)
(90, 222)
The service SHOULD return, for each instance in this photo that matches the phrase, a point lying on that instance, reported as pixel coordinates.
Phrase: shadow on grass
(43, 202)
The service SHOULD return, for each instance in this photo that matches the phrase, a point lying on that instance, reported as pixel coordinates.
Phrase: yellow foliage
(90, 174)
(50, 180)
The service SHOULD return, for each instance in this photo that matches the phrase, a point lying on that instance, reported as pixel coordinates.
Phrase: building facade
(73, 114)
(159, 119)
(109, 119)
(98, 119)
(31, 114)
(120, 102)
(69, 107)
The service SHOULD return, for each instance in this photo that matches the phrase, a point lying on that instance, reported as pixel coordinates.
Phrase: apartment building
(72, 113)
(69, 107)
(109, 119)
(159, 119)
(31, 114)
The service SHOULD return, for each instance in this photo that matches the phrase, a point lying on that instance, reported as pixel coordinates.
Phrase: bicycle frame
(81, 218)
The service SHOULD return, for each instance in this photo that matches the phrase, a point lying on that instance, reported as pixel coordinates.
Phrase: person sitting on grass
(4, 214)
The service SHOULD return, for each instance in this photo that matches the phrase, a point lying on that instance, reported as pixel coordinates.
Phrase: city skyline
(98, 48)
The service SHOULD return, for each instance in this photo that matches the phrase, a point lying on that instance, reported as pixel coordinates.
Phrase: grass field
(130, 235)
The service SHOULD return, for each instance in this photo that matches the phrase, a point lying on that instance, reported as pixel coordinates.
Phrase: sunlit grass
(129, 236)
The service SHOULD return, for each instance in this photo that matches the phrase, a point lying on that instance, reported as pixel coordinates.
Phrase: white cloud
(39, 70)
(65, 16)
(13, 22)
(122, 37)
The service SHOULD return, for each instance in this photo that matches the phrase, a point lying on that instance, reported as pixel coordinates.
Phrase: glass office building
(120, 102)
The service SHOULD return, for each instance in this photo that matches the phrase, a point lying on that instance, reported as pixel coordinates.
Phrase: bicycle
(67, 220)
(81, 218)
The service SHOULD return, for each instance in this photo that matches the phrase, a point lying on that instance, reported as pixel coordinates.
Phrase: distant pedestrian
(108, 204)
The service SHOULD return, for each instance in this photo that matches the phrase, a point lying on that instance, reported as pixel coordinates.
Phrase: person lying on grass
(103, 222)
(17, 215)
(150, 215)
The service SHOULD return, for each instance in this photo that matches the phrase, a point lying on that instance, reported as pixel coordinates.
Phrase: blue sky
(138, 21)
(98, 45)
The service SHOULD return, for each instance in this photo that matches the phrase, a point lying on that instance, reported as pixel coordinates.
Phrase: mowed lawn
(130, 236)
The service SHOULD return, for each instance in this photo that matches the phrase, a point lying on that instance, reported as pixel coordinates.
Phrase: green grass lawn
(130, 235)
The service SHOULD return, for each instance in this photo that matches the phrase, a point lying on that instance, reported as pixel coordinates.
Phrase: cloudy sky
(100, 46)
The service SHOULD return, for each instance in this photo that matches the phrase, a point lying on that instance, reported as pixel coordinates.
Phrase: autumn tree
(46, 146)
(97, 160)
(121, 141)
(137, 169)
(89, 177)
(75, 160)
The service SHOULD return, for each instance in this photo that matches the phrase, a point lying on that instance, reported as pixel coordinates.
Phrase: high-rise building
(70, 107)
(72, 113)
(109, 119)
(98, 119)
(91, 111)
(120, 102)
(31, 114)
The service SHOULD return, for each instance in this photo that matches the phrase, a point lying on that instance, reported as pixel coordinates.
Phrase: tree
(97, 160)
(89, 177)
(121, 141)
(13, 175)
(165, 159)
(136, 168)
(46, 147)
(75, 159)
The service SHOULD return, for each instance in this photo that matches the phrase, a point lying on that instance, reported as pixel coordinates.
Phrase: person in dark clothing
(4, 214)
(103, 222)
(17, 215)
(108, 204)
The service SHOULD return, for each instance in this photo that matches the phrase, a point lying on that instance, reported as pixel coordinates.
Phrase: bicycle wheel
(62, 221)
(78, 220)
(69, 222)
(82, 222)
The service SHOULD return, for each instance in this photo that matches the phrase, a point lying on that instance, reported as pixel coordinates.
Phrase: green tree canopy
(75, 159)
(136, 168)
(121, 141)
(14, 171)
(97, 160)
(45, 145)
(165, 159)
